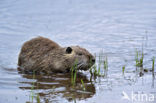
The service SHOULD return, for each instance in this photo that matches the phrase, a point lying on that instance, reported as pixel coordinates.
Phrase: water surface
(117, 27)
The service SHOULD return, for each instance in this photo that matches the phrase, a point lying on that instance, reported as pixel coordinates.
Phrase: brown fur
(44, 55)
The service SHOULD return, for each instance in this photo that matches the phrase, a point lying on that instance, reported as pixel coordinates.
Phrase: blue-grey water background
(117, 27)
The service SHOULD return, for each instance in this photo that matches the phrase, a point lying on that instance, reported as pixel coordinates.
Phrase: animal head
(80, 57)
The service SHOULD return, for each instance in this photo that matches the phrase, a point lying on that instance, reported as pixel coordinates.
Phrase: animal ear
(68, 50)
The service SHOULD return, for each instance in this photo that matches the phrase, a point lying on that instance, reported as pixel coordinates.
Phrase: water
(116, 26)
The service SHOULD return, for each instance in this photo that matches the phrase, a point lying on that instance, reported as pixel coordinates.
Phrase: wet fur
(44, 55)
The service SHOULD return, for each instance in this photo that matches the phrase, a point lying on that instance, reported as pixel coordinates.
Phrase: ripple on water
(116, 27)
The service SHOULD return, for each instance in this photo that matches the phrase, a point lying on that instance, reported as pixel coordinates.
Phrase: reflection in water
(50, 86)
(153, 78)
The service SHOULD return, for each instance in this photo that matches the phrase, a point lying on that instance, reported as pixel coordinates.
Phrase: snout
(93, 60)
(86, 62)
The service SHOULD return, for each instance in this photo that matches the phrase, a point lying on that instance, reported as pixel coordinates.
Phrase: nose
(93, 60)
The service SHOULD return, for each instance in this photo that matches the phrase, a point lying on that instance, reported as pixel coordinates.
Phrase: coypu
(44, 55)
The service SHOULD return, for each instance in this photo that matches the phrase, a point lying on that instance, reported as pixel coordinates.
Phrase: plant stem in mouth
(83, 85)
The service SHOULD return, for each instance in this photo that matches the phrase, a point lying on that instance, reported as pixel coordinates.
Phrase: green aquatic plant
(95, 70)
(38, 98)
(136, 57)
(83, 85)
(153, 61)
(139, 57)
(91, 71)
(123, 70)
(32, 94)
(32, 88)
(74, 73)
(105, 63)
(100, 62)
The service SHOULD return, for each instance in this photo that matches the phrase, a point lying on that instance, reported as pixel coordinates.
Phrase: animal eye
(68, 50)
